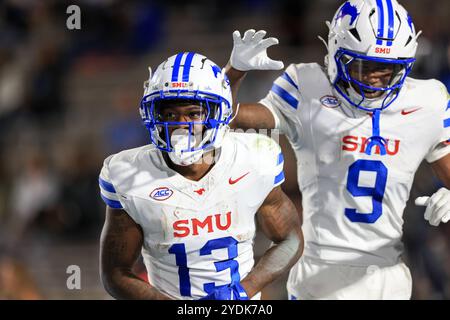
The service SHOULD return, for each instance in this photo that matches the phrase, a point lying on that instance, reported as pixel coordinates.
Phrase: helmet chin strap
(180, 142)
(220, 135)
(376, 139)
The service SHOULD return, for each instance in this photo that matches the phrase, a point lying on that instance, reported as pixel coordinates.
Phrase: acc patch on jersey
(161, 194)
(330, 101)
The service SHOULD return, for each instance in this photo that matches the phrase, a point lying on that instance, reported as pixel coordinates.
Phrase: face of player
(374, 74)
(181, 112)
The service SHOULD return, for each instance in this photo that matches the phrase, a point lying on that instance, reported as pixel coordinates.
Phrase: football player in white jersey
(359, 127)
(189, 199)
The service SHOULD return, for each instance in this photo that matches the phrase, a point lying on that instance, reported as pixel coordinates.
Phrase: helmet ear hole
(408, 41)
(355, 33)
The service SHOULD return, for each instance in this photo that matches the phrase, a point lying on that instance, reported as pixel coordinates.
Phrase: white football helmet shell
(382, 28)
(373, 28)
(188, 76)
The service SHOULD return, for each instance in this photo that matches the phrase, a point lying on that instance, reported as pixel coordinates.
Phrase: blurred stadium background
(69, 98)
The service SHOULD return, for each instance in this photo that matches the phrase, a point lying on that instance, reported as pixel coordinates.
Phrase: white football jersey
(353, 202)
(198, 235)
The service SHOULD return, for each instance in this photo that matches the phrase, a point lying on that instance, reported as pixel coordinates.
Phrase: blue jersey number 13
(229, 243)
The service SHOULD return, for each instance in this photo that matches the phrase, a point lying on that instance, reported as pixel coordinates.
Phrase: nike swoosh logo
(405, 112)
(231, 181)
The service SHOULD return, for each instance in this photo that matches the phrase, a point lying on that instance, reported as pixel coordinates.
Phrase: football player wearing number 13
(360, 127)
(189, 199)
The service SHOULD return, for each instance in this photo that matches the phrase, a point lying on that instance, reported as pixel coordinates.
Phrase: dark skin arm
(441, 168)
(279, 222)
(120, 245)
(250, 115)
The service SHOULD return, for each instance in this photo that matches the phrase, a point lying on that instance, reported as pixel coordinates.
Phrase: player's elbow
(108, 281)
(111, 279)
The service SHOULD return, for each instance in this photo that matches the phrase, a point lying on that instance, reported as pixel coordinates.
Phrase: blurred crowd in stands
(69, 98)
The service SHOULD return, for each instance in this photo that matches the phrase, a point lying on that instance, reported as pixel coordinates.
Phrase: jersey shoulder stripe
(289, 79)
(286, 96)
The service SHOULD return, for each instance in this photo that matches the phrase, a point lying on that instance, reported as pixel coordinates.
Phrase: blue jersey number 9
(376, 192)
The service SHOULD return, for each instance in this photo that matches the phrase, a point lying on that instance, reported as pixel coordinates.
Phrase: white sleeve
(107, 189)
(442, 145)
(283, 100)
(271, 162)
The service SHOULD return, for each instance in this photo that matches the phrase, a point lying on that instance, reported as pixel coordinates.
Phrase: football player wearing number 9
(189, 199)
(360, 127)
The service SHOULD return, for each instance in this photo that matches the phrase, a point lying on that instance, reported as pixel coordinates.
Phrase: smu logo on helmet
(179, 84)
(382, 50)
(330, 101)
(161, 194)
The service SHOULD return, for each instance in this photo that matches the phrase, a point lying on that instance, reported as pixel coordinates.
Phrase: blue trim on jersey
(286, 77)
(176, 67)
(106, 185)
(380, 31)
(279, 178)
(286, 96)
(390, 22)
(112, 203)
(447, 123)
(187, 66)
(280, 158)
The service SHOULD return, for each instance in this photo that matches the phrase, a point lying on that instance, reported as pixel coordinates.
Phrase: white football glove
(438, 206)
(250, 52)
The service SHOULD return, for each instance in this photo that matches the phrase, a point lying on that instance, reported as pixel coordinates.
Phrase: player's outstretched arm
(438, 205)
(279, 221)
(250, 53)
(441, 168)
(120, 245)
